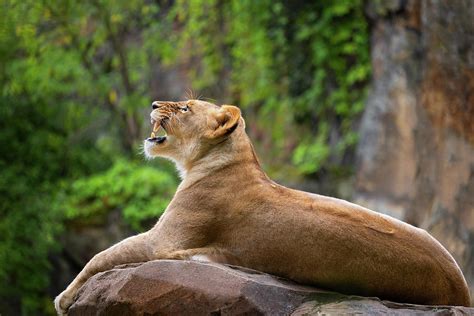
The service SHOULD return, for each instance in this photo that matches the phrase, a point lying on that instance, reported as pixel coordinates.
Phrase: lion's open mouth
(157, 126)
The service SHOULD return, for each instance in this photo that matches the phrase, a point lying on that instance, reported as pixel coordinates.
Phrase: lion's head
(186, 131)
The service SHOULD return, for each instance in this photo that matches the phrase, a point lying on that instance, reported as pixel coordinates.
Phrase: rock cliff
(170, 287)
(416, 150)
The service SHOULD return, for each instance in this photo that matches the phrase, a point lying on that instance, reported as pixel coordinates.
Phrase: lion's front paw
(62, 302)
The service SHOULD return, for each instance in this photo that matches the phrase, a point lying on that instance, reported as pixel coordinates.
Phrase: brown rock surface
(416, 150)
(173, 287)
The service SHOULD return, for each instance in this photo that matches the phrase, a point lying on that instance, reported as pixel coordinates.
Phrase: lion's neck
(235, 156)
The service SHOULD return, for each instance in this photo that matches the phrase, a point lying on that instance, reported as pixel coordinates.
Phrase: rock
(174, 287)
(416, 149)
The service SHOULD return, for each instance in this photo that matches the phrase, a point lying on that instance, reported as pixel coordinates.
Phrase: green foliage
(141, 192)
(70, 89)
(198, 40)
(303, 63)
(337, 39)
(36, 154)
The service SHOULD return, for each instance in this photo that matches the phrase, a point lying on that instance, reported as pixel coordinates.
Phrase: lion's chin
(159, 146)
(151, 147)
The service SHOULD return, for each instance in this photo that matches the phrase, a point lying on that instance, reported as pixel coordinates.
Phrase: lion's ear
(226, 121)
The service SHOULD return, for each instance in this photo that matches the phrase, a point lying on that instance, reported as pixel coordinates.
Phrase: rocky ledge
(171, 287)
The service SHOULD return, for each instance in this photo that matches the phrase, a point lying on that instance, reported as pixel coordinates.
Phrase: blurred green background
(77, 81)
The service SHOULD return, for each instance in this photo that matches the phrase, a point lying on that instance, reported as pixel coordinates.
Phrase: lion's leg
(130, 250)
(210, 254)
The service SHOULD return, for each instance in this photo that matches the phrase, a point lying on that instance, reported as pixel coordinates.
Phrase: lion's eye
(184, 109)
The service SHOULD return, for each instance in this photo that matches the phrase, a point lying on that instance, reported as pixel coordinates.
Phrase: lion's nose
(155, 105)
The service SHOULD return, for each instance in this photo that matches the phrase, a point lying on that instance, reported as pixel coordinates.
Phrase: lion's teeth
(156, 128)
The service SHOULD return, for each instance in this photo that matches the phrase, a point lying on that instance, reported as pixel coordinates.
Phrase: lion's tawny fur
(227, 210)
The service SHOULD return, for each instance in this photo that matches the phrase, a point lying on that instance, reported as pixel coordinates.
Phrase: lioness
(227, 210)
